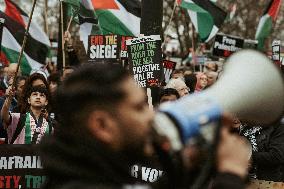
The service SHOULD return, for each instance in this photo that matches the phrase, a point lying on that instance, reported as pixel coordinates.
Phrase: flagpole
(69, 23)
(23, 46)
(62, 35)
(193, 47)
(2, 21)
(45, 17)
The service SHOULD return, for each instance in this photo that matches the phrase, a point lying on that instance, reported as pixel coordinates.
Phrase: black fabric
(270, 156)
(38, 125)
(227, 181)
(19, 128)
(73, 58)
(35, 49)
(216, 12)
(132, 6)
(72, 163)
(21, 125)
(268, 151)
(80, 160)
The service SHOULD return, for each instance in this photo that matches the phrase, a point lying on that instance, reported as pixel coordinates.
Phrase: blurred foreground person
(105, 127)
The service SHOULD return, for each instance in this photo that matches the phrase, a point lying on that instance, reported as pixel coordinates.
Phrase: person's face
(177, 75)
(167, 98)
(187, 72)
(203, 81)
(52, 86)
(37, 100)
(38, 82)
(182, 90)
(20, 86)
(133, 117)
(211, 79)
(211, 66)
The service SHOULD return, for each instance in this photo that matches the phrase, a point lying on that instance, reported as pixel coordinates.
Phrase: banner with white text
(145, 60)
(103, 48)
(20, 167)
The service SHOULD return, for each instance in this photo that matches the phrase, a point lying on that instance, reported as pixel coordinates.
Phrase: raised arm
(5, 109)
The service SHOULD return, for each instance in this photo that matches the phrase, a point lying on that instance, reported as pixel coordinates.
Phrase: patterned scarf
(31, 129)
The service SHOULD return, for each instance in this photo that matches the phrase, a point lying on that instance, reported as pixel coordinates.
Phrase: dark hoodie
(78, 163)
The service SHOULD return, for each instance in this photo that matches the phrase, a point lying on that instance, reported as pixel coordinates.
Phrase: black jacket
(78, 163)
(268, 158)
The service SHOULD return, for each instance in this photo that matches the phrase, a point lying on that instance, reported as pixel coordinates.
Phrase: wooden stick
(193, 49)
(45, 17)
(69, 23)
(23, 46)
(62, 35)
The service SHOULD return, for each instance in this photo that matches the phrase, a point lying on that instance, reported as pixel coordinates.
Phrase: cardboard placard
(20, 167)
(103, 48)
(145, 60)
(123, 49)
(276, 50)
(169, 67)
(225, 45)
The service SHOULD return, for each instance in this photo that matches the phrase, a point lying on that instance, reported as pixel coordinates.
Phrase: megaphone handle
(209, 168)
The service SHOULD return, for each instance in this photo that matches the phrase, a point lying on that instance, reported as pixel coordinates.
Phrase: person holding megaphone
(105, 127)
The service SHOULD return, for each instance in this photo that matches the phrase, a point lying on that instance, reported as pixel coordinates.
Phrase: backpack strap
(19, 128)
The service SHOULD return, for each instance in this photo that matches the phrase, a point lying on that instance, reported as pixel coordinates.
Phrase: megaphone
(251, 88)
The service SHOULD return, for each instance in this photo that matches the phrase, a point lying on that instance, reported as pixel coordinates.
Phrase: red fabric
(4, 59)
(274, 9)
(12, 11)
(104, 4)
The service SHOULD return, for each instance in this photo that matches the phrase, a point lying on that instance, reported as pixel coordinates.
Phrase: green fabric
(205, 21)
(110, 24)
(28, 137)
(192, 7)
(263, 31)
(75, 3)
(13, 56)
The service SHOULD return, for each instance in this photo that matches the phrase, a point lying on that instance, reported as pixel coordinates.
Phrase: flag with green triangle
(37, 48)
(265, 24)
(121, 17)
(206, 17)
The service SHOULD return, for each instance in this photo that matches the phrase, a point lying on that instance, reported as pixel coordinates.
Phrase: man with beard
(105, 127)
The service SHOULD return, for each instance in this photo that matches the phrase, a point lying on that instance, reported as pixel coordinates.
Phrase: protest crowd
(136, 115)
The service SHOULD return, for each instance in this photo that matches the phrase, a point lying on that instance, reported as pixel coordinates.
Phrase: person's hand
(10, 92)
(67, 38)
(233, 151)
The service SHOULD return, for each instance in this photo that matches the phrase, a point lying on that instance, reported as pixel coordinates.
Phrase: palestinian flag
(37, 47)
(266, 22)
(206, 17)
(121, 17)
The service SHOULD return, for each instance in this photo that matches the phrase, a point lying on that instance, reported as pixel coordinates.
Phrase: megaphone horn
(251, 88)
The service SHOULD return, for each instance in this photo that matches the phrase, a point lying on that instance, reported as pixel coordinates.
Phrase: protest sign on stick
(225, 45)
(276, 50)
(145, 58)
(169, 67)
(123, 49)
